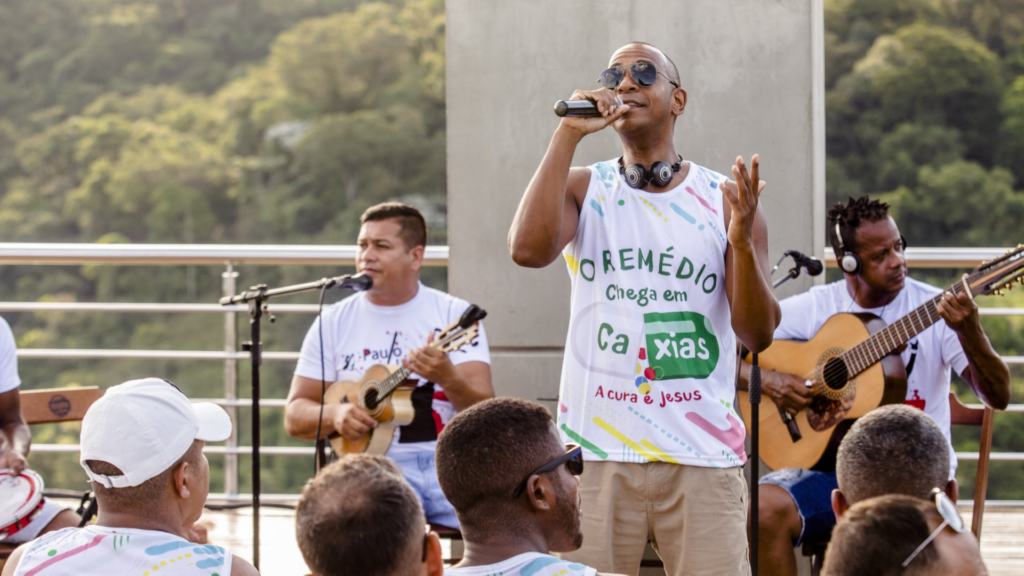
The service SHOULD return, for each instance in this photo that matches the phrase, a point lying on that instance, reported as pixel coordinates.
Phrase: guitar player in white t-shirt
(794, 504)
(391, 323)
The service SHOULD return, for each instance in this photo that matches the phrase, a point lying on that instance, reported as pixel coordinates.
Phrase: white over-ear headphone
(849, 262)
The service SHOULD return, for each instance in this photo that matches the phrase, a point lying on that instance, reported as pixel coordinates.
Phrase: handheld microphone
(812, 265)
(358, 282)
(576, 108)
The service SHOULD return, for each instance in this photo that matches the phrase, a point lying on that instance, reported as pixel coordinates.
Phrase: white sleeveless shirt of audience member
(649, 361)
(928, 356)
(101, 551)
(526, 564)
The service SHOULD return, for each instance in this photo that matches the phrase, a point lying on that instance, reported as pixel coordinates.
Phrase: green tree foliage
(240, 121)
(280, 121)
(925, 109)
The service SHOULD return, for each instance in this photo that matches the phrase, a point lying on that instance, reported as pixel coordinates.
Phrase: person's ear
(183, 480)
(953, 490)
(839, 503)
(678, 101)
(541, 493)
(435, 557)
(418, 254)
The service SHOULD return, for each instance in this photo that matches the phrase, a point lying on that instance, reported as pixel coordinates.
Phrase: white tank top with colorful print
(648, 373)
(102, 551)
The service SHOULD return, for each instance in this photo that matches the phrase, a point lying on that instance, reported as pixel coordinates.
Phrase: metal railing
(231, 255)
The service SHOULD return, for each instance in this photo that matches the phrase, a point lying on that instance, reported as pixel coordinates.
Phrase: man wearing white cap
(142, 449)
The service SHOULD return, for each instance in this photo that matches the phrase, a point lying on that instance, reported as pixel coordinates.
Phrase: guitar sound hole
(836, 374)
(370, 399)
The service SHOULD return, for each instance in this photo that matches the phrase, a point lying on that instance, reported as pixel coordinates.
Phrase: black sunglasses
(643, 73)
(426, 544)
(573, 460)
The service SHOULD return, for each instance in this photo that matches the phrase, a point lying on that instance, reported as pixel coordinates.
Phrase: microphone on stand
(358, 282)
(812, 265)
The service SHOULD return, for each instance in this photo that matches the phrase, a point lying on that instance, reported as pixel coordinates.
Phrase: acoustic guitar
(386, 395)
(854, 366)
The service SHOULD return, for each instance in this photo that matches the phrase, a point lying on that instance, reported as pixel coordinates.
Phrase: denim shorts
(420, 472)
(812, 493)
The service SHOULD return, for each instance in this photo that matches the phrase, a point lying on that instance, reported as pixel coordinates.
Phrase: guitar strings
(864, 350)
(389, 384)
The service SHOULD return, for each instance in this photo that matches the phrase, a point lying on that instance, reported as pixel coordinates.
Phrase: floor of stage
(1002, 542)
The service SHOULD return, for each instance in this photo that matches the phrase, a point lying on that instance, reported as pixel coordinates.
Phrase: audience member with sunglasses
(668, 265)
(902, 535)
(359, 517)
(513, 485)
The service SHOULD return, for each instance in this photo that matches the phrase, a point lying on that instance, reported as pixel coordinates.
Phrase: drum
(21, 498)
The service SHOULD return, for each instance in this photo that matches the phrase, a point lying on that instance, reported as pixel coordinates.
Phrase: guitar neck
(392, 382)
(885, 341)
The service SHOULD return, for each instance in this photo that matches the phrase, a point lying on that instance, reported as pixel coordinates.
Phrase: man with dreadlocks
(794, 504)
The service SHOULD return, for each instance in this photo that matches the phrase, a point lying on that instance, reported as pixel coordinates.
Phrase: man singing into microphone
(390, 324)
(668, 264)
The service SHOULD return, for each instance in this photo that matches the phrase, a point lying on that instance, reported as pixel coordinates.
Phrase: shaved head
(661, 61)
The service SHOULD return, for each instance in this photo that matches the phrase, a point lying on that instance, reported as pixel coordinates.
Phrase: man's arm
(241, 567)
(755, 312)
(986, 372)
(786, 390)
(14, 433)
(548, 214)
(302, 412)
(464, 385)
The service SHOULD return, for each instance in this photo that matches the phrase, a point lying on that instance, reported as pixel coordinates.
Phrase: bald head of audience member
(895, 449)
(488, 453)
(876, 536)
(359, 517)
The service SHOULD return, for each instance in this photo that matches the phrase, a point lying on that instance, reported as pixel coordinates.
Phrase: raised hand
(607, 104)
(743, 195)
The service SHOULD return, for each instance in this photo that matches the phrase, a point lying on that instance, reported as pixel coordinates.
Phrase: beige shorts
(696, 518)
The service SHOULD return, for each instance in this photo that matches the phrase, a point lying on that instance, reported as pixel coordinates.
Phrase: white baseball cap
(143, 427)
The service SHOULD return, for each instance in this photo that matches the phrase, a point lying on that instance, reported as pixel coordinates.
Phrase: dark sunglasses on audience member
(950, 517)
(573, 460)
(643, 73)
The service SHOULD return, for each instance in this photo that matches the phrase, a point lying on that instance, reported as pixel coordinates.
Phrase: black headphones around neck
(659, 174)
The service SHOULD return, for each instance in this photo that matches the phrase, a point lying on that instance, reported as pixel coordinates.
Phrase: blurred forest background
(279, 121)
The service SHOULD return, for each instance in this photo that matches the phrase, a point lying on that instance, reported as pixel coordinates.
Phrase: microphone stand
(754, 395)
(256, 298)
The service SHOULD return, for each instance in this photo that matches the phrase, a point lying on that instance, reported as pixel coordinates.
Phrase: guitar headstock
(991, 277)
(472, 315)
(462, 332)
(460, 338)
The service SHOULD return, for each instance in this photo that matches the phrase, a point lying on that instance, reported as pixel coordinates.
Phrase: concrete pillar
(753, 71)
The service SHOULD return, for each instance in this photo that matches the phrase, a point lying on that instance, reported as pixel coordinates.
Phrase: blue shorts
(812, 493)
(420, 472)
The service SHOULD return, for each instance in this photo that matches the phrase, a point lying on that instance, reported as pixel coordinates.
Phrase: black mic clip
(357, 282)
(812, 265)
